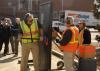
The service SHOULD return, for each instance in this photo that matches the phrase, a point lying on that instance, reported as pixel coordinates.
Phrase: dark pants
(1, 43)
(6, 42)
(87, 64)
(44, 58)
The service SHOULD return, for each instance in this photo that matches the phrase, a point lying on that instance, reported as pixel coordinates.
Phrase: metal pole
(37, 8)
(14, 10)
(29, 5)
(19, 5)
(62, 4)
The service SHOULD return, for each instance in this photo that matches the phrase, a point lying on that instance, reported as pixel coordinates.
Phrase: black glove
(57, 40)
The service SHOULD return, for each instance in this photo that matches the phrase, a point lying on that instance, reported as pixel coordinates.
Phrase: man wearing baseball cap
(69, 43)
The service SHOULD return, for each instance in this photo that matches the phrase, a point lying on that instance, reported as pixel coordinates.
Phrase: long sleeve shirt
(66, 37)
(87, 37)
(4, 32)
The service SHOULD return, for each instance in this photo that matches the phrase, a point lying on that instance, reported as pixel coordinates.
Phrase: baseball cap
(69, 20)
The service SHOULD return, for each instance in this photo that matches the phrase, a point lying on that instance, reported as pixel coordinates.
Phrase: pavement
(10, 62)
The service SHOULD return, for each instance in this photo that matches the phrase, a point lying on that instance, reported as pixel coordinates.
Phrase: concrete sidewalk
(10, 62)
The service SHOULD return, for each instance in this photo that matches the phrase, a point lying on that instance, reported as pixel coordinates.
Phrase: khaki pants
(14, 44)
(69, 61)
(26, 48)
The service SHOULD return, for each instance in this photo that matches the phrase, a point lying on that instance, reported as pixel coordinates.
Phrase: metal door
(45, 18)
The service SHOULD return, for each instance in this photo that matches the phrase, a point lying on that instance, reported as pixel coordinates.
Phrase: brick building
(17, 7)
(20, 7)
(78, 5)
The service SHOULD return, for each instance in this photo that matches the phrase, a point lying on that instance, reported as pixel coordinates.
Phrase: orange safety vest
(72, 45)
(77, 34)
(86, 50)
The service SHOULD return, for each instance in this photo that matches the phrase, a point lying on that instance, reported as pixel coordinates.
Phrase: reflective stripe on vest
(72, 45)
(77, 33)
(29, 34)
(87, 51)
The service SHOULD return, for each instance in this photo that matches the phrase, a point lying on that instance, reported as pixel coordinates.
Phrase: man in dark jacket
(15, 29)
(1, 36)
(5, 35)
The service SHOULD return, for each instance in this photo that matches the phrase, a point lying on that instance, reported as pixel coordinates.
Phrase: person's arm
(40, 31)
(20, 33)
(66, 38)
(87, 37)
(40, 28)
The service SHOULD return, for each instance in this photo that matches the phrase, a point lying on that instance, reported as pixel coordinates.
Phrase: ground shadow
(10, 59)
